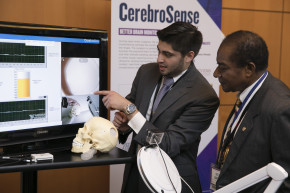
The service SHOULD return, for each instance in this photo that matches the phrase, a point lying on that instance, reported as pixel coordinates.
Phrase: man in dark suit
(258, 131)
(183, 114)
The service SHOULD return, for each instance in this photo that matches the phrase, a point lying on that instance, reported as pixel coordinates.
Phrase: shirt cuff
(137, 122)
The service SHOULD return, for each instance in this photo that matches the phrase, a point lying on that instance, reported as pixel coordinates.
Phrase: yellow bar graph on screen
(23, 84)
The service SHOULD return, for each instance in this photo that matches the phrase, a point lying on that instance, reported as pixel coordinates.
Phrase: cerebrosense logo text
(148, 14)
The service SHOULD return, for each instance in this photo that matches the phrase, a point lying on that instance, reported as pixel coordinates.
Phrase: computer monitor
(47, 78)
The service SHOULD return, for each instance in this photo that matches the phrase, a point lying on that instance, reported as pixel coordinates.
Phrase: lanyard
(248, 96)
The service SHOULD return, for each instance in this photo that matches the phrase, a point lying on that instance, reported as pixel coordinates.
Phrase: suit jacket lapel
(224, 130)
(176, 92)
(149, 87)
(173, 95)
(244, 129)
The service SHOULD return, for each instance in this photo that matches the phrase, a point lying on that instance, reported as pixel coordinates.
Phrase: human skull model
(97, 133)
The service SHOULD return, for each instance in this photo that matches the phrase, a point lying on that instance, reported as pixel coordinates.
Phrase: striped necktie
(237, 105)
(229, 137)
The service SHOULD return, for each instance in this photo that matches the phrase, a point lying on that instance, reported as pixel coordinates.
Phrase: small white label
(215, 172)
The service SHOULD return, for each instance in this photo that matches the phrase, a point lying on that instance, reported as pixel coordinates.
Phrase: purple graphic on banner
(208, 155)
(204, 161)
(137, 32)
(214, 9)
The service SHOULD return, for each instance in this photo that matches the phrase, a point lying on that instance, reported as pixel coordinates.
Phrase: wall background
(268, 18)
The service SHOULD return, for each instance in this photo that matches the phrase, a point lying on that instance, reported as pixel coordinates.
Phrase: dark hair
(182, 36)
(248, 47)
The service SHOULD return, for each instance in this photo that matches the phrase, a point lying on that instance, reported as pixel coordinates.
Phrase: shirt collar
(178, 76)
(244, 94)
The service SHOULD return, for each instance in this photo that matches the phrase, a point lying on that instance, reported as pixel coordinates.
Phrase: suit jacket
(183, 114)
(262, 137)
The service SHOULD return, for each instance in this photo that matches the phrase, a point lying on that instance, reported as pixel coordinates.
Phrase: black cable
(168, 172)
(16, 159)
(165, 166)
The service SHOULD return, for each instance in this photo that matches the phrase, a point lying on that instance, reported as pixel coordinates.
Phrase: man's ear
(189, 56)
(250, 69)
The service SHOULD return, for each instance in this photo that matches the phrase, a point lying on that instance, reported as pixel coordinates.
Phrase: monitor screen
(47, 78)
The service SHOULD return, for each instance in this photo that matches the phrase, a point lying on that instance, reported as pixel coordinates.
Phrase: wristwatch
(131, 108)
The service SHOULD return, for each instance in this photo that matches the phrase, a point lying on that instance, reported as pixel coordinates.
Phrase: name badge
(215, 172)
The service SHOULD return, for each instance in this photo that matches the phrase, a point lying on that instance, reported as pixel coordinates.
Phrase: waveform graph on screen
(22, 112)
(22, 55)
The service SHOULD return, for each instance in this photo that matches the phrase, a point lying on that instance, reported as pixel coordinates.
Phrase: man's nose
(216, 73)
(160, 58)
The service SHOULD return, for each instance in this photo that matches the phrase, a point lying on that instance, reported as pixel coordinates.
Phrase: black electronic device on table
(47, 73)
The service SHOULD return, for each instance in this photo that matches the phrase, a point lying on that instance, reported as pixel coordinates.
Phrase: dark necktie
(229, 137)
(167, 83)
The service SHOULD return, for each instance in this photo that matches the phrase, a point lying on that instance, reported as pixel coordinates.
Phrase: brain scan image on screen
(79, 76)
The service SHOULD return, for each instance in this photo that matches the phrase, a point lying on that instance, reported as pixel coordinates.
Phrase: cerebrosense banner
(149, 14)
(134, 24)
